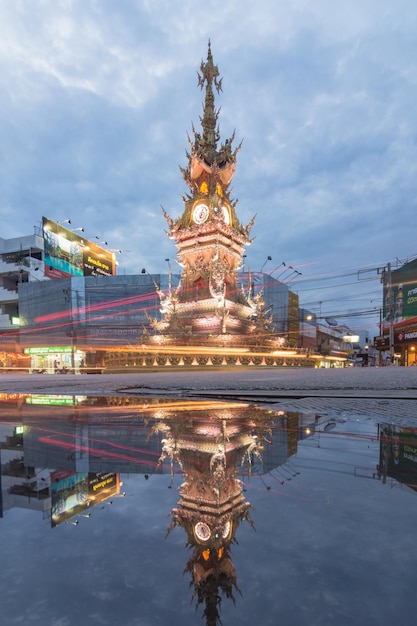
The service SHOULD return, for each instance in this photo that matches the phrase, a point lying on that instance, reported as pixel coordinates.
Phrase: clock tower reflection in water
(211, 445)
(210, 308)
(72, 457)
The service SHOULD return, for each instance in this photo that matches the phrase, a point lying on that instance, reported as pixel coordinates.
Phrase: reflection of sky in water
(331, 545)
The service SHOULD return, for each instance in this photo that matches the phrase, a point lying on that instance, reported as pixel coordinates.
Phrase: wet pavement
(290, 496)
(390, 391)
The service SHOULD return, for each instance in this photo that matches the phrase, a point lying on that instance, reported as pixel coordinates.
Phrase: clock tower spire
(210, 240)
(209, 77)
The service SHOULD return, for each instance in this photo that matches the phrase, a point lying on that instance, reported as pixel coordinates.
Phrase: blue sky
(97, 97)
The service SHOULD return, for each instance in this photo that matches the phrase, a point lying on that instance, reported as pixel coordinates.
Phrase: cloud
(97, 98)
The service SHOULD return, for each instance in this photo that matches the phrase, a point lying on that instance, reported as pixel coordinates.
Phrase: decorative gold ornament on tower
(209, 304)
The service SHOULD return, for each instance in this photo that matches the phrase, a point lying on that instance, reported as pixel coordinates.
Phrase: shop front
(405, 341)
(55, 359)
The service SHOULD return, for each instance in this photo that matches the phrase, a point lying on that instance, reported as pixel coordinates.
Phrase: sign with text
(68, 254)
(400, 297)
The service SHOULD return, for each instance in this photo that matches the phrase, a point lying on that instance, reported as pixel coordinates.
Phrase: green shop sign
(50, 350)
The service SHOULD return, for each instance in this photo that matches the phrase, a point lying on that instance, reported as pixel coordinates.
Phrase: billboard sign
(400, 301)
(72, 493)
(398, 454)
(68, 254)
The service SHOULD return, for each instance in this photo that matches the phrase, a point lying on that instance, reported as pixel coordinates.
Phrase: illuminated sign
(400, 297)
(69, 492)
(73, 493)
(68, 254)
(351, 338)
(55, 400)
(50, 350)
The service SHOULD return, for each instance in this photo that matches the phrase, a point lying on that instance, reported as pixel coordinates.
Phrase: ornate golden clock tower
(210, 241)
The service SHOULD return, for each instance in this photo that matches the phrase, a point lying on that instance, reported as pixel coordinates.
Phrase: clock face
(200, 213)
(226, 214)
(202, 531)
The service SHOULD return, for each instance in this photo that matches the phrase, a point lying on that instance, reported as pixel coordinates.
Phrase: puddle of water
(144, 510)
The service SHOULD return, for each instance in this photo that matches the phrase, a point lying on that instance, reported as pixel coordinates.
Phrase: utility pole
(391, 314)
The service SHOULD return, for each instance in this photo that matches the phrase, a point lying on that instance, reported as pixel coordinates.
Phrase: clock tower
(210, 241)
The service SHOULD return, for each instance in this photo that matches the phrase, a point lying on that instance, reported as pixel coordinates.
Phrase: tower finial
(208, 76)
(209, 73)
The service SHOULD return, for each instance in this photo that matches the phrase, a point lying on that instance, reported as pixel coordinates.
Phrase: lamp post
(391, 314)
(169, 274)
(277, 268)
(287, 269)
(268, 258)
(289, 279)
(290, 276)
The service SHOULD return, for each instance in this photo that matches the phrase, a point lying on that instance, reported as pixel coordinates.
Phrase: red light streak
(97, 307)
(96, 451)
(46, 439)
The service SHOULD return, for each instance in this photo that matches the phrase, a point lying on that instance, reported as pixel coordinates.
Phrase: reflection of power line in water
(281, 482)
(268, 487)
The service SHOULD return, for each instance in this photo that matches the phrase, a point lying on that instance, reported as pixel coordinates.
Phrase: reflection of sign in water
(68, 491)
(68, 254)
(72, 493)
(398, 454)
(57, 400)
(98, 483)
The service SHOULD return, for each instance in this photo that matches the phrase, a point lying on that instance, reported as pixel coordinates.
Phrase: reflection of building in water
(47, 457)
(19, 484)
(42, 435)
(210, 448)
(60, 494)
(398, 454)
(65, 454)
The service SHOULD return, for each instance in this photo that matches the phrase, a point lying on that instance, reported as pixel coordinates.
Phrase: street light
(268, 258)
(277, 267)
(169, 274)
(287, 269)
(289, 279)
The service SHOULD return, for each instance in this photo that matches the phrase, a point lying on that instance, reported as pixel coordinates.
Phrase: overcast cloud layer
(97, 97)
